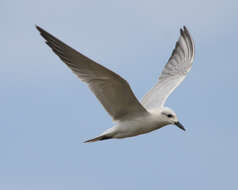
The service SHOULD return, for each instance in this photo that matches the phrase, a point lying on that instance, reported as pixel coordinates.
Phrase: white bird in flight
(131, 117)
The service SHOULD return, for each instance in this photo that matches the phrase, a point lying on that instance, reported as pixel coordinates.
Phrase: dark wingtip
(41, 30)
(37, 27)
(181, 31)
(186, 30)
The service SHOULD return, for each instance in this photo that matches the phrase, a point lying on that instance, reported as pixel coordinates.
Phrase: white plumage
(131, 117)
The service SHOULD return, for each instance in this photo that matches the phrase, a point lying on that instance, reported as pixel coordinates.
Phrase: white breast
(138, 125)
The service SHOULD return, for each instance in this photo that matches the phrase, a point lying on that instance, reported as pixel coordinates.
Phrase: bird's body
(131, 117)
(137, 125)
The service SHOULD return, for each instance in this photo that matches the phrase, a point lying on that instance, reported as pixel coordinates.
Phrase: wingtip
(184, 29)
(37, 27)
(41, 30)
(185, 33)
(182, 32)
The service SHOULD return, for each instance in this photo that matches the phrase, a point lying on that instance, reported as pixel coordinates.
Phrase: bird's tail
(99, 138)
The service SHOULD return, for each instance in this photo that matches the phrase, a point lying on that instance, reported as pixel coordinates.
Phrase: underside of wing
(174, 72)
(112, 90)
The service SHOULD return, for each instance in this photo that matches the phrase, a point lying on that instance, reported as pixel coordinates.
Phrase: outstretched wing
(174, 72)
(112, 90)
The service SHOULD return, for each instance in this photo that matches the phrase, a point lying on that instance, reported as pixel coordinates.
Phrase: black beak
(179, 125)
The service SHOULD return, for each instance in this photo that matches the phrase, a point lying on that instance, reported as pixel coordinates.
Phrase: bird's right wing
(174, 72)
(112, 90)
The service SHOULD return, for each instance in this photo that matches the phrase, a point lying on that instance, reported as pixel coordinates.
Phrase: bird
(130, 116)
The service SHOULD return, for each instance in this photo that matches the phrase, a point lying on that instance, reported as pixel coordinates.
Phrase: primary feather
(113, 91)
(174, 72)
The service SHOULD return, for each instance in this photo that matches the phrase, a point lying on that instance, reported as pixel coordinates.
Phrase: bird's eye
(169, 115)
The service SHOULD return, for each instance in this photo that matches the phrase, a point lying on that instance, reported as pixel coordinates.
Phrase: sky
(46, 112)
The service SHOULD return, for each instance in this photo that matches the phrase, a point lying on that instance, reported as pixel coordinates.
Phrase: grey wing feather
(174, 72)
(113, 91)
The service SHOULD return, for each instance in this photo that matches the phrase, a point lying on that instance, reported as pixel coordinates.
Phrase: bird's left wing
(113, 91)
(174, 72)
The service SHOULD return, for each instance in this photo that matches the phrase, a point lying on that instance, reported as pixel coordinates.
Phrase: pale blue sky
(46, 112)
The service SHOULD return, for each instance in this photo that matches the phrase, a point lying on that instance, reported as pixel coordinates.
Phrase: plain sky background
(46, 112)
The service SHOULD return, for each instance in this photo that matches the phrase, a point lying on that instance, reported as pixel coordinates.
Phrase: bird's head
(169, 117)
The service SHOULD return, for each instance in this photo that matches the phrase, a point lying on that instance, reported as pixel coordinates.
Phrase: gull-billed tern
(131, 117)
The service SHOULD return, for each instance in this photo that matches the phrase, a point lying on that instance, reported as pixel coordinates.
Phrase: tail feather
(99, 138)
